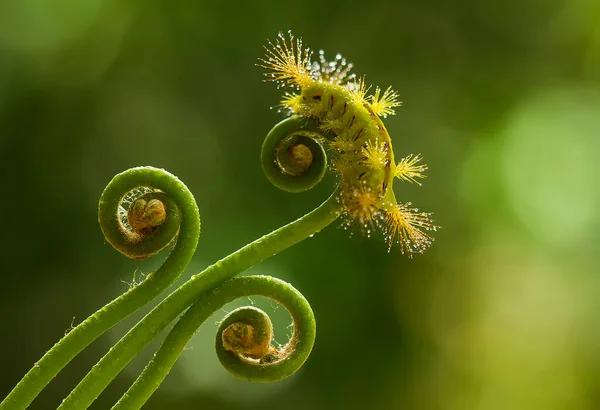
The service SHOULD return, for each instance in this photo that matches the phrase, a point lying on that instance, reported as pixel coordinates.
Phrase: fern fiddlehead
(243, 340)
(145, 209)
(292, 156)
(329, 117)
(181, 216)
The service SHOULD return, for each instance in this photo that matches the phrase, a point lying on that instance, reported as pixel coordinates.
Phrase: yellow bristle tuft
(383, 105)
(358, 91)
(329, 124)
(291, 102)
(406, 226)
(343, 143)
(375, 154)
(408, 169)
(289, 63)
(362, 205)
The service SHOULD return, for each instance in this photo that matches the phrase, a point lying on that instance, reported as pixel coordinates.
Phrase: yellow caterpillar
(359, 142)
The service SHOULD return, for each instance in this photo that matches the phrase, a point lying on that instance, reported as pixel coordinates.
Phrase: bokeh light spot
(549, 164)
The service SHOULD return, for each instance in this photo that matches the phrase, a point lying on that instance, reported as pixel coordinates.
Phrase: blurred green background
(502, 98)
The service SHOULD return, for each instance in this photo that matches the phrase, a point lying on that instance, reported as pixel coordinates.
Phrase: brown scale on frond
(289, 63)
(406, 226)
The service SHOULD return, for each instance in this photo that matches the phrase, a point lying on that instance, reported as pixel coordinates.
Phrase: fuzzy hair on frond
(383, 105)
(406, 226)
(288, 62)
(408, 169)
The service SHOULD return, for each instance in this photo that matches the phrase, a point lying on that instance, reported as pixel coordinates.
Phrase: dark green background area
(502, 98)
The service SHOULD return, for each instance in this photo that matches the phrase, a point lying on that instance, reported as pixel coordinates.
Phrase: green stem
(300, 344)
(86, 332)
(172, 306)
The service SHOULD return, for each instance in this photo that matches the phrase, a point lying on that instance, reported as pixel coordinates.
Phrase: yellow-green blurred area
(502, 98)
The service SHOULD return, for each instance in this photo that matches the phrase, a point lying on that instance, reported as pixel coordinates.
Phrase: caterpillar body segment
(360, 138)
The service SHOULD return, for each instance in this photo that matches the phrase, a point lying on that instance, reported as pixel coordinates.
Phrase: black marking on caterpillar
(352, 121)
(358, 134)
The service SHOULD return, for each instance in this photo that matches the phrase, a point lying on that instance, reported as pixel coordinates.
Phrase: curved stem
(105, 318)
(173, 345)
(172, 306)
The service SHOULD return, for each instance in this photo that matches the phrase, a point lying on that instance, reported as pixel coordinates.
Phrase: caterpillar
(356, 138)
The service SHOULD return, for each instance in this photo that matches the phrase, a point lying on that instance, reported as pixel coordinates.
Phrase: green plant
(143, 210)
